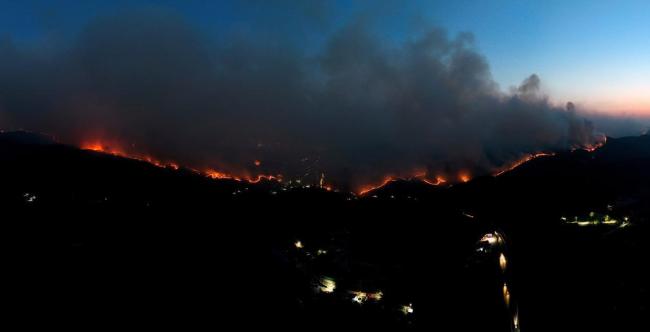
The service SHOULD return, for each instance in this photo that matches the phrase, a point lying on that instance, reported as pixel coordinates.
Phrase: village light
(376, 296)
(326, 285)
(407, 309)
(503, 262)
(359, 297)
(506, 295)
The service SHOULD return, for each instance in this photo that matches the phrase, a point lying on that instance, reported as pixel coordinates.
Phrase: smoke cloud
(356, 108)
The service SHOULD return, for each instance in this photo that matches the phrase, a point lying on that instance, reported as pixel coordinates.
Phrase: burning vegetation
(464, 176)
(116, 150)
(245, 176)
(523, 161)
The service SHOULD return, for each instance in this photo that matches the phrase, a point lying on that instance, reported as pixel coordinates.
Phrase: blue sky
(593, 52)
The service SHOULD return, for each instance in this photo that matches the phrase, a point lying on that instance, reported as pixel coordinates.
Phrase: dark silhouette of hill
(114, 239)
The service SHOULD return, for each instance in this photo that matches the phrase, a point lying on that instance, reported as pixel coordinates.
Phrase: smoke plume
(356, 108)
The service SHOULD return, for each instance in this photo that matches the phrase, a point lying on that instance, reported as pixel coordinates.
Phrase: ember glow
(251, 179)
(595, 146)
(232, 120)
(367, 189)
(523, 161)
(245, 176)
(219, 175)
(437, 181)
(117, 150)
(463, 177)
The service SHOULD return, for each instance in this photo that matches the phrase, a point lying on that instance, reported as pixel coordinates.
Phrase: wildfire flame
(116, 150)
(523, 161)
(370, 188)
(463, 176)
(218, 175)
(595, 146)
(592, 147)
(437, 181)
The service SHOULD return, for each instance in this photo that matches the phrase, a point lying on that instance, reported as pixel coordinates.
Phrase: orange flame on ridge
(115, 150)
(463, 176)
(439, 180)
(366, 189)
(522, 161)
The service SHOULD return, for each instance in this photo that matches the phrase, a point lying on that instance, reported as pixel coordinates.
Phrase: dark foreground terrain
(557, 244)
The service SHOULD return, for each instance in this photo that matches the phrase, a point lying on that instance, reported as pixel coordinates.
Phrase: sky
(593, 53)
(360, 90)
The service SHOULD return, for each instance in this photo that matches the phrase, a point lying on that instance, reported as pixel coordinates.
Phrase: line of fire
(440, 180)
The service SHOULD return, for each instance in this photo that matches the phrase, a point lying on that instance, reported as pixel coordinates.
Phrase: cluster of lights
(596, 220)
(361, 297)
(29, 197)
(327, 285)
(407, 309)
(495, 241)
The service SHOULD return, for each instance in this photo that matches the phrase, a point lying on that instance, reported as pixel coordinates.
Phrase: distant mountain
(26, 137)
(567, 181)
(109, 232)
(616, 174)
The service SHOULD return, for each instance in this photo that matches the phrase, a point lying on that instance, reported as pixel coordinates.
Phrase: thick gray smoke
(356, 109)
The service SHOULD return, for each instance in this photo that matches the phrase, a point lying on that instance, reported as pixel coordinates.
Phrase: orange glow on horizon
(464, 177)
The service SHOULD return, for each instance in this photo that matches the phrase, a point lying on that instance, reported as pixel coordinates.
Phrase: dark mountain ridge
(120, 234)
